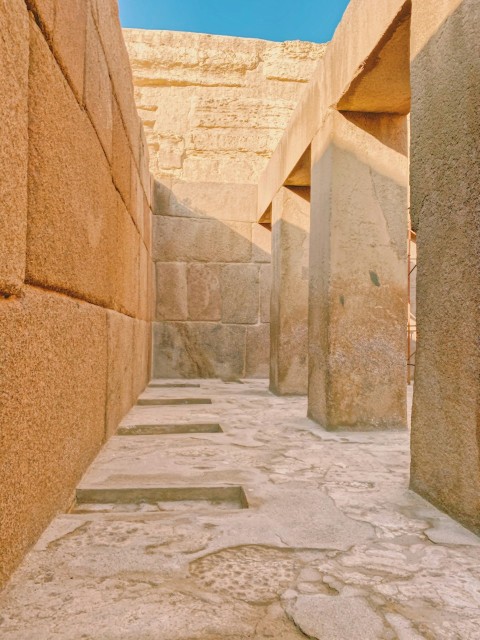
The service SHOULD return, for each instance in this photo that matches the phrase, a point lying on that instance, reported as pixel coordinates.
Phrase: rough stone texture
(81, 240)
(358, 273)
(171, 280)
(199, 349)
(213, 109)
(239, 289)
(265, 292)
(52, 410)
(445, 170)
(14, 146)
(333, 545)
(289, 300)
(258, 351)
(204, 296)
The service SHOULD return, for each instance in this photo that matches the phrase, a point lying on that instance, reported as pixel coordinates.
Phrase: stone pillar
(445, 196)
(358, 273)
(289, 301)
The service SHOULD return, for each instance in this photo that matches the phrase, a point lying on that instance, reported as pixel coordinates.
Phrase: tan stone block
(262, 243)
(204, 297)
(258, 351)
(198, 240)
(14, 52)
(98, 90)
(142, 347)
(120, 332)
(237, 110)
(240, 293)
(294, 60)
(198, 350)
(171, 291)
(69, 40)
(80, 241)
(221, 201)
(265, 291)
(218, 167)
(137, 199)
(52, 414)
(121, 157)
(147, 224)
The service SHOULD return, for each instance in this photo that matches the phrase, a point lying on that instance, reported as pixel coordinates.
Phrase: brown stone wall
(445, 203)
(214, 109)
(75, 246)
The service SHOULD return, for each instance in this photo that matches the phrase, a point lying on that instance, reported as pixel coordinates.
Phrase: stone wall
(75, 246)
(213, 109)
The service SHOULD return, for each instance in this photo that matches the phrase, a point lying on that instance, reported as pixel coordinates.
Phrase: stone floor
(333, 545)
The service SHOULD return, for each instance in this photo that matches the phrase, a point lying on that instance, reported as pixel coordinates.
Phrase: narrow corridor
(160, 544)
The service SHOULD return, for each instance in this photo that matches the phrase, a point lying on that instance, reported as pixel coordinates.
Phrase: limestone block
(52, 412)
(147, 224)
(204, 296)
(221, 201)
(219, 167)
(292, 60)
(240, 293)
(98, 90)
(262, 243)
(106, 17)
(142, 349)
(79, 240)
(198, 240)
(258, 351)
(69, 38)
(164, 109)
(167, 152)
(171, 291)
(198, 350)
(145, 306)
(265, 291)
(14, 46)
(232, 140)
(238, 111)
(122, 157)
(445, 173)
(120, 333)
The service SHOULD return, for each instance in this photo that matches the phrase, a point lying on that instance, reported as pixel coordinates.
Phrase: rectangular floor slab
(168, 429)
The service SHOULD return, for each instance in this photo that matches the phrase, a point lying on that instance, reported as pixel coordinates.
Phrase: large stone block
(120, 333)
(258, 351)
(240, 293)
(204, 296)
(69, 41)
(198, 240)
(52, 411)
(98, 90)
(44, 11)
(14, 45)
(122, 157)
(171, 291)
(222, 201)
(142, 354)
(265, 291)
(76, 233)
(445, 174)
(198, 350)
(289, 298)
(262, 243)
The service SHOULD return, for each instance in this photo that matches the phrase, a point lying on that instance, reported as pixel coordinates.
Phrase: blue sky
(313, 20)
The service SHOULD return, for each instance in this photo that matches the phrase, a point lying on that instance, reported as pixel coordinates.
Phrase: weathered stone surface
(224, 101)
(358, 273)
(52, 411)
(120, 396)
(204, 296)
(262, 243)
(14, 147)
(445, 173)
(258, 351)
(198, 349)
(69, 42)
(198, 240)
(265, 292)
(222, 201)
(142, 356)
(44, 10)
(240, 293)
(171, 278)
(121, 157)
(98, 90)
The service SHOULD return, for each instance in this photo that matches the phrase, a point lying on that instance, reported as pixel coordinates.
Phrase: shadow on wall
(213, 279)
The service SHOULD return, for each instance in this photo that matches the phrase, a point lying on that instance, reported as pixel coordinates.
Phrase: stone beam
(349, 60)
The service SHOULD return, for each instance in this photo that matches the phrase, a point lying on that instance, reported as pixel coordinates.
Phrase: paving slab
(333, 545)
